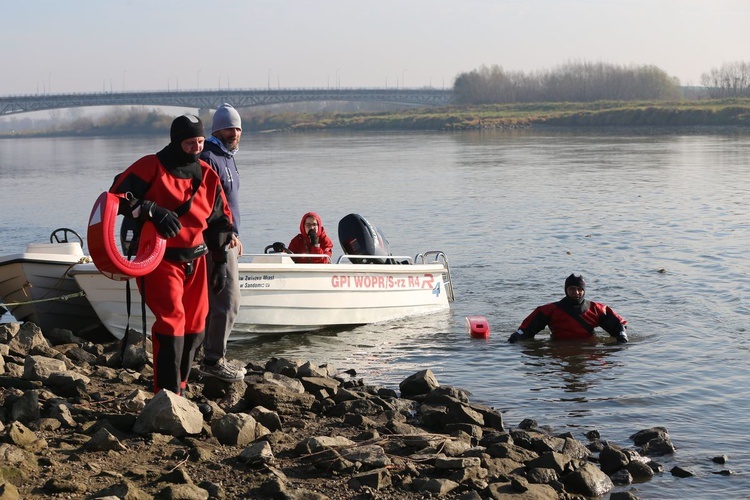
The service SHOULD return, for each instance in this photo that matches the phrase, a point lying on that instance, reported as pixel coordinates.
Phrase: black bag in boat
(358, 237)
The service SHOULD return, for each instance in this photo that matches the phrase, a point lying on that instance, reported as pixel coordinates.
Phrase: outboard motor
(358, 237)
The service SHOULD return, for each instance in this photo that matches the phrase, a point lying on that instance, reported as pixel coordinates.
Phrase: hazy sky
(94, 45)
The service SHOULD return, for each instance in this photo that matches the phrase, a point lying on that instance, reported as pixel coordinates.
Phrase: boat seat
(273, 258)
(55, 248)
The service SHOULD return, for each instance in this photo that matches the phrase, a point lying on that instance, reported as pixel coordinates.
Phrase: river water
(655, 220)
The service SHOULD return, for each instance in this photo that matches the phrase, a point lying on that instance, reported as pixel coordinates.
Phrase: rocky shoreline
(78, 420)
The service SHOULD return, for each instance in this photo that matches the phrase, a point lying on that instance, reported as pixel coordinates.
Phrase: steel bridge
(211, 99)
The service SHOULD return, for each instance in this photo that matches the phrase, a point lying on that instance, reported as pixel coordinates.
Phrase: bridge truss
(211, 99)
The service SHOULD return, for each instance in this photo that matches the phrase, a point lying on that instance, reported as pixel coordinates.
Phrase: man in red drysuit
(182, 196)
(572, 317)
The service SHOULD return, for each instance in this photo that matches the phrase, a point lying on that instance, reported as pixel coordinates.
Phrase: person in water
(182, 196)
(312, 239)
(572, 318)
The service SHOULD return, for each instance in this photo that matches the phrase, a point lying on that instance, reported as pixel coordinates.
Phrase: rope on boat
(61, 297)
(82, 260)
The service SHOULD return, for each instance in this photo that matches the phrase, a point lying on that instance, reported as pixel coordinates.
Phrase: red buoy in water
(477, 327)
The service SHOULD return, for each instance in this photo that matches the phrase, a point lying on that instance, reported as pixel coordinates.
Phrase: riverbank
(78, 419)
(726, 112)
(601, 114)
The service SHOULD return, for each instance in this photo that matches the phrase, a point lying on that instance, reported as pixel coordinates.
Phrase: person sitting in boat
(572, 318)
(312, 239)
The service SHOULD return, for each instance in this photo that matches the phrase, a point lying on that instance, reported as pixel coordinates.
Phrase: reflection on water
(377, 352)
(570, 367)
(577, 365)
(265, 346)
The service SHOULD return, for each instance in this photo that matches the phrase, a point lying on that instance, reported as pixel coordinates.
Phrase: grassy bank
(734, 112)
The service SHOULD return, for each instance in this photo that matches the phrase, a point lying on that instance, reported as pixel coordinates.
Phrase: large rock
(68, 383)
(376, 479)
(258, 453)
(234, 429)
(505, 490)
(26, 408)
(612, 459)
(168, 413)
(283, 366)
(654, 441)
(269, 419)
(28, 337)
(103, 440)
(644, 436)
(41, 368)
(418, 384)
(319, 443)
(435, 486)
(589, 480)
(278, 398)
(25, 438)
(370, 456)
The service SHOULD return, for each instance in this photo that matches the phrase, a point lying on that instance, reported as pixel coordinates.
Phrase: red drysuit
(568, 320)
(176, 291)
(302, 244)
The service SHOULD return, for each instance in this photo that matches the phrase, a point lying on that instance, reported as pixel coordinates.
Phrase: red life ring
(103, 244)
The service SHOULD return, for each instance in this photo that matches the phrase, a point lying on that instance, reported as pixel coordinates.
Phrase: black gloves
(278, 247)
(126, 206)
(517, 335)
(167, 223)
(621, 337)
(218, 279)
(313, 236)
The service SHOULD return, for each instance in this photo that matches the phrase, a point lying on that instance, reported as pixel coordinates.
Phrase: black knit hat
(186, 127)
(574, 280)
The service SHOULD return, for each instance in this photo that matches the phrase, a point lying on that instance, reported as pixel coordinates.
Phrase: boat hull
(279, 296)
(35, 287)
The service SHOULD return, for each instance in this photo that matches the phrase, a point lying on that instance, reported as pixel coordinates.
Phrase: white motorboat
(56, 285)
(365, 285)
(280, 296)
(35, 286)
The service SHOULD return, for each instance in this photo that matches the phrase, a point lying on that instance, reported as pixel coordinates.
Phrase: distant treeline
(571, 82)
(730, 80)
(590, 82)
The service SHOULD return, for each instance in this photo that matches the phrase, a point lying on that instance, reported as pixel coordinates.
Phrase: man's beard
(231, 144)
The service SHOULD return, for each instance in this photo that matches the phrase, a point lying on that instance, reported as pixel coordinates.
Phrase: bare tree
(731, 80)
